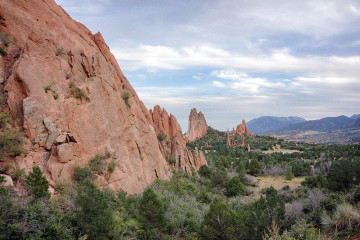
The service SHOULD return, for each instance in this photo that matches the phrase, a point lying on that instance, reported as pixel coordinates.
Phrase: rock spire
(197, 125)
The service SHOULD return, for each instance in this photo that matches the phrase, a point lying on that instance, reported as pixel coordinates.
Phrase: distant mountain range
(323, 124)
(355, 116)
(269, 124)
(340, 130)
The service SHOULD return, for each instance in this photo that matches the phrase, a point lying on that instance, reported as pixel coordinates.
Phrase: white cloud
(354, 9)
(218, 84)
(229, 74)
(312, 44)
(279, 60)
(327, 80)
(245, 82)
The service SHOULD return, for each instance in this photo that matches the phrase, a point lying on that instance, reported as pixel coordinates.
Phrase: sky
(234, 59)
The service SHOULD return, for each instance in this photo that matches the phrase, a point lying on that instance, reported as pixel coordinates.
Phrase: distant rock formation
(197, 125)
(174, 146)
(240, 130)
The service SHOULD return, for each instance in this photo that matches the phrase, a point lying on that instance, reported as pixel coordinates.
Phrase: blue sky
(234, 59)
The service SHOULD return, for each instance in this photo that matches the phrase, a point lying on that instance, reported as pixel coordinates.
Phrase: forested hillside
(311, 192)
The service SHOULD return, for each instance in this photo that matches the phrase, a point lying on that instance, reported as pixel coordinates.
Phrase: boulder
(8, 181)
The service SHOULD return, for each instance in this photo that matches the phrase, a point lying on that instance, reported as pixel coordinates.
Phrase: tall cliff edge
(65, 90)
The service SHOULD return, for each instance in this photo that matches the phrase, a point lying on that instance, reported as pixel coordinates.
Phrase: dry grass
(280, 150)
(277, 182)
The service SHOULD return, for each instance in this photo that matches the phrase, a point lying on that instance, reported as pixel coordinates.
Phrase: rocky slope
(197, 125)
(66, 91)
(173, 146)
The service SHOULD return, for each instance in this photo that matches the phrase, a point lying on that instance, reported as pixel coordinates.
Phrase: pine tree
(37, 184)
(289, 175)
(235, 187)
(254, 168)
(152, 210)
(220, 222)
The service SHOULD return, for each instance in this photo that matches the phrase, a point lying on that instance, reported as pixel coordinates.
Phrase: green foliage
(31, 219)
(161, 136)
(60, 51)
(182, 208)
(273, 233)
(303, 231)
(71, 85)
(112, 166)
(220, 222)
(357, 194)
(37, 184)
(152, 210)
(344, 217)
(261, 213)
(10, 142)
(318, 181)
(235, 187)
(81, 174)
(63, 186)
(300, 168)
(47, 88)
(219, 178)
(204, 171)
(289, 175)
(170, 159)
(16, 173)
(341, 175)
(92, 214)
(254, 167)
(97, 164)
(55, 94)
(2, 179)
(78, 93)
(3, 51)
(4, 119)
(68, 75)
(125, 96)
(4, 38)
(124, 227)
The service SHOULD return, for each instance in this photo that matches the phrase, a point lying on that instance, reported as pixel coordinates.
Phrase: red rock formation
(174, 147)
(163, 122)
(54, 50)
(241, 129)
(197, 125)
(230, 139)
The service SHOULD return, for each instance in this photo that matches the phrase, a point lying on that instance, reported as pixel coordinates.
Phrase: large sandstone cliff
(89, 107)
(197, 125)
(174, 146)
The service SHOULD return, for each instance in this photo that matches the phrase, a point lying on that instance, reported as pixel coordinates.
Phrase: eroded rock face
(174, 146)
(197, 125)
(84, 113)
(241, 129)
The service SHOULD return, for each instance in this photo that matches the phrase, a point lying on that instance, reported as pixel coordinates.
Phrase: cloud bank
(234, 59)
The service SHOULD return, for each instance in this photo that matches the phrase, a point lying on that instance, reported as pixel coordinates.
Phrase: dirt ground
(277, 182)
